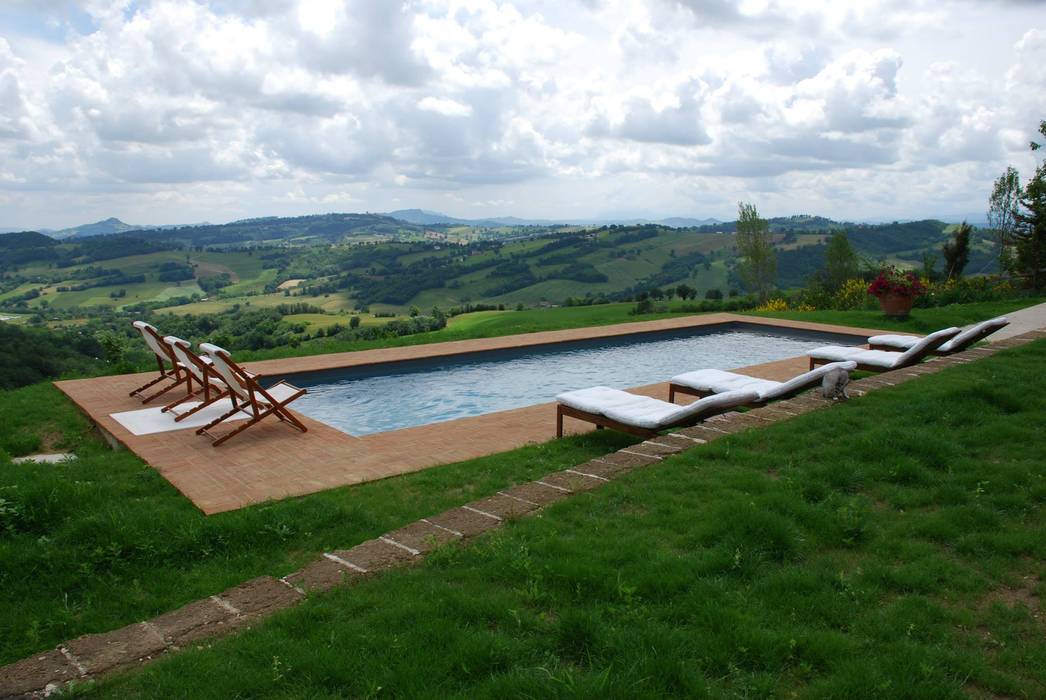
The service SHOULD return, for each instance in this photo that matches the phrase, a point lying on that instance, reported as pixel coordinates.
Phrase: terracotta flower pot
(898, 305)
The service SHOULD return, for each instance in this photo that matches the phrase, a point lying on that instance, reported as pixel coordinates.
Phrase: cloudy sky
(178, 111)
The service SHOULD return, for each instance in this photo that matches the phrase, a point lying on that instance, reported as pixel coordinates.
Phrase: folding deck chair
(175, 375)
(248, 396)
(203, 385)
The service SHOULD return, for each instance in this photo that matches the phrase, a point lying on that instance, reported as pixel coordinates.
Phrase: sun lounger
(881, 360)
(203, 385)
(708, 382)
(248, 396)
(968, 337)
(170, 376)
(641, 415)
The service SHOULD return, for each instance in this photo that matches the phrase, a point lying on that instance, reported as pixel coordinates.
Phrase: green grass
(920, 321)
(535, 320)
(104, 540)
(247, 269)
(330, 302)
(869, 551)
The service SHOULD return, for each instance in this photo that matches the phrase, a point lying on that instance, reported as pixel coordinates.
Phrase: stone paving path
(99, 655)
(1021, 322)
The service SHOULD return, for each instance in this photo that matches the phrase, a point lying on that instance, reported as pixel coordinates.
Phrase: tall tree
(1002, 207)
(957, 251)
(840, 261)
(758, 266)
(1030, 225)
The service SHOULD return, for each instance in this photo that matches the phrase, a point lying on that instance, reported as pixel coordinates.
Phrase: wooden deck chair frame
(248, 396)
(209, 386)
(601, 422)
(176, 375)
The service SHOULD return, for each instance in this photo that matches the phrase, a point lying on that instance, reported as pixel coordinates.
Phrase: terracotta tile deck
(272, 461)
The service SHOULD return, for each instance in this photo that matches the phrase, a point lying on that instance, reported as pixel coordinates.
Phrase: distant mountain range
(106, 227)
(424, 217)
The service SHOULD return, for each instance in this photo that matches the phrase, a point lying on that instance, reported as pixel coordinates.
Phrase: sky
(183, 111)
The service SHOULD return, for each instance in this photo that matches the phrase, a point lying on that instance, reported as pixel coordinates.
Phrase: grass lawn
(890, 547)
(103, 541)
(920, 321)
(489, 325)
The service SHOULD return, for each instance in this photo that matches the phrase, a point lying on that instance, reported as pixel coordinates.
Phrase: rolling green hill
(338, 262)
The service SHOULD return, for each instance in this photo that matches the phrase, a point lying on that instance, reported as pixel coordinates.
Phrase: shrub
(851, 296)
(776, 304)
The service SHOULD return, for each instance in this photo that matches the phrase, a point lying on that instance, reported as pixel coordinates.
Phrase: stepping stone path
(98, 655)
(45, 459)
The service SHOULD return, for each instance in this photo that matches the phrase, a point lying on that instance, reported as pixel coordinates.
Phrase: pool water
(378, 398)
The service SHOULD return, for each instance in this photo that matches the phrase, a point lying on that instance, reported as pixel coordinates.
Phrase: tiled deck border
(98, 655)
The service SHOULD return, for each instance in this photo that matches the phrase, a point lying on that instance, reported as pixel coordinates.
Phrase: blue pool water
(378, 398)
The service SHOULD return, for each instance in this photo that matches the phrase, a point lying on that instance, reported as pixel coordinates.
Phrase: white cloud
(445, 106)
(185, 110)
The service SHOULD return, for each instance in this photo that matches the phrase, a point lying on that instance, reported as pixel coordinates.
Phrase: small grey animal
(833, 385)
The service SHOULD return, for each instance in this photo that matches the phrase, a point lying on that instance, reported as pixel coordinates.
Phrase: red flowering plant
(893, 281)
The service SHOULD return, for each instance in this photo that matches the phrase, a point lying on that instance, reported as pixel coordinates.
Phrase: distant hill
(25, 239)
(106, 227)
(425, 217)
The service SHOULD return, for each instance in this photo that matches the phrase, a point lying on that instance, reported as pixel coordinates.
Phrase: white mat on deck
(151, 420)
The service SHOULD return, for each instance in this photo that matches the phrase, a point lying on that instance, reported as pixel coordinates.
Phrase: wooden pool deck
(271, 461)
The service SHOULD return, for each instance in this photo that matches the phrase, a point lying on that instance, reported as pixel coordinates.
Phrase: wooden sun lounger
(641, 415)
(880, 360)
(974, 334)
(709, 382)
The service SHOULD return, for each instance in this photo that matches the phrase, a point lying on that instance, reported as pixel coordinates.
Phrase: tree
(1030, 231)
(1002, 206)
(758, 266)
(929, 271)
(957, 251)
(1030, 225)
(840, 261)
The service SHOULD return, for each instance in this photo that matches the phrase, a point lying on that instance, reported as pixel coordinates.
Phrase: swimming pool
(394, 395)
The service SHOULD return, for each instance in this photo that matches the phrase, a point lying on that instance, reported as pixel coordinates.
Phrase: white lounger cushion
(646, 412)
(842, 353)
(959, 342)
(883, 358)
(901, 342)
(717, 381)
